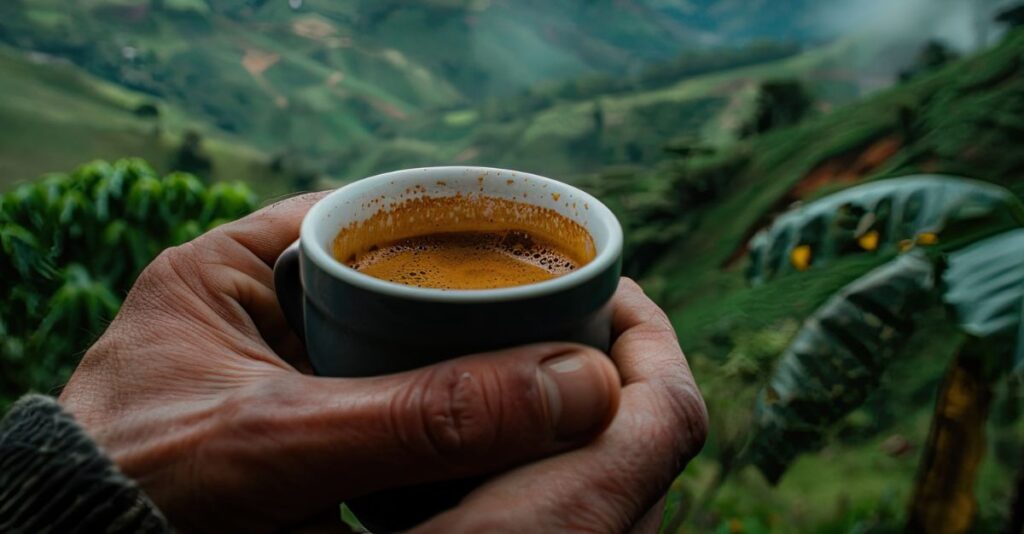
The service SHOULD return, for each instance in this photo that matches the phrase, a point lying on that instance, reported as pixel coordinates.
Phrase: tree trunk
(943, 500)
(1015, 525)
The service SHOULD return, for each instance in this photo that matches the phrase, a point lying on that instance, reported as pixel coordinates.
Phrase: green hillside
(572, 130)
(308, 80)
(54, 117)
(348, 89)
(687, 226)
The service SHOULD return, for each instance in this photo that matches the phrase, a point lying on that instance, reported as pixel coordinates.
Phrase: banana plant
(973, 262)
(984, 288)
(929, 210)
(836, 359)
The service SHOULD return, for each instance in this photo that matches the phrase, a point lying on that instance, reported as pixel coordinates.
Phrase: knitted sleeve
(54, 478)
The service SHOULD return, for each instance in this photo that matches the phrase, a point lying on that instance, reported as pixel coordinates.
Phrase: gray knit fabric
(54, 478)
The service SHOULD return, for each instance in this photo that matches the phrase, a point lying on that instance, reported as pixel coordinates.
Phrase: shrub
(72, 246)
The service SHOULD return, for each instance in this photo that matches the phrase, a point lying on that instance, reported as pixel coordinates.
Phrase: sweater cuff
(54, 478)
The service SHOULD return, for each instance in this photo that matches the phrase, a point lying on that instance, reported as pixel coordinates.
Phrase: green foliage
(780, 103)
(753, 353)
(933, 55)
(836, 360)
(841, 352)
(930, 210)
(656, 209)
(73, 244)
(985, 290)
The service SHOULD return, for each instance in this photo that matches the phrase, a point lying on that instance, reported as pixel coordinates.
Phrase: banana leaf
(984, 287)
(836, 359)
(927, 210)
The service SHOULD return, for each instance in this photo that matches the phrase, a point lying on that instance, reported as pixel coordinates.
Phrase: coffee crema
(465, 242)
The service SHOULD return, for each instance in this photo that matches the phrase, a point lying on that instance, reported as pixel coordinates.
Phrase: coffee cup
(356, 325)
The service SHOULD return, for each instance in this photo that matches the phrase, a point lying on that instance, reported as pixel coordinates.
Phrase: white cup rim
(606, 256)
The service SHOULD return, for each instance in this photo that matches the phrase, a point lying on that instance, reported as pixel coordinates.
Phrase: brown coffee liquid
(464, 242)
(466, 260)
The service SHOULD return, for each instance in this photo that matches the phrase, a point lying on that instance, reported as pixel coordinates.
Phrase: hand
(195, 391)
(614, 483)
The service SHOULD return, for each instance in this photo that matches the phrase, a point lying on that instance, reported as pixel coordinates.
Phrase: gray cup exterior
(352, 330)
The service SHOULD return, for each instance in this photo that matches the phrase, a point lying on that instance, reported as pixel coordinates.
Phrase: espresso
(465, 242)
(466, 260)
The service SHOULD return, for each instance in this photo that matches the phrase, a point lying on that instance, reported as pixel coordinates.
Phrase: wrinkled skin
(200, 392)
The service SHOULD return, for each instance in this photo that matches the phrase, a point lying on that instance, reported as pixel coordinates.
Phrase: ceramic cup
(354, 325)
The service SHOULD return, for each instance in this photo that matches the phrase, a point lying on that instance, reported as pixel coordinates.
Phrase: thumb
(471, 415)
(468, 416)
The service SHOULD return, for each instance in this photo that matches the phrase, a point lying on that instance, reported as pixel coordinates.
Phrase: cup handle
(288, 286)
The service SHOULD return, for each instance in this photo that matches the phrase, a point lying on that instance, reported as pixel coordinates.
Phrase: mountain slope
(687, 224)
(54, 117)
(330, 72)
(571, 133)
(308, 76)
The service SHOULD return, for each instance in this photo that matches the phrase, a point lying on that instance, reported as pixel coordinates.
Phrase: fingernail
(577, 394)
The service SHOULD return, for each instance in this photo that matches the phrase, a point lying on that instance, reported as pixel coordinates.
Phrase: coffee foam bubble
(466, 260)
(465, 242)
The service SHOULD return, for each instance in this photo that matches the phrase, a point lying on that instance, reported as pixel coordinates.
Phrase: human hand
(615, 483)
(195, 391)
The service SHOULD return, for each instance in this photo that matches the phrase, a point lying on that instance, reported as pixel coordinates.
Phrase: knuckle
(155, 287)
(177, 261)
(452, 414)
(657, 325)
(687, 415)
(160, 266)
(631, 284)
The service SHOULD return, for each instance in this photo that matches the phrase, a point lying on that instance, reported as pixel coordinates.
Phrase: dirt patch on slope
(844, 169)
(847, 168)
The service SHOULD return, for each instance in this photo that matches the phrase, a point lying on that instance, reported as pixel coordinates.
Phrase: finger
(473, 415)
(647, 352)
(230, 267)
(270, 230)
(605, 487)
(646, 343)
(238, 288)
(610, 484)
